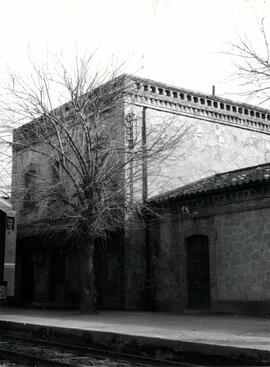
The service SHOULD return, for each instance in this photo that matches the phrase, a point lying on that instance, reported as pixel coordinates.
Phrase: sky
(180, 42)
(185, 43)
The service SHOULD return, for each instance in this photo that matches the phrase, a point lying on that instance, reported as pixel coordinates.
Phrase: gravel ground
(4, 364)
(75, 358)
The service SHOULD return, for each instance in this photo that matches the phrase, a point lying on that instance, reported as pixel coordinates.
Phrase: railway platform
(195, 337)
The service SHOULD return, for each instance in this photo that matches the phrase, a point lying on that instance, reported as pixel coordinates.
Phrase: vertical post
(130, 119)
(131, 189)
(147, 284)
(144, 160)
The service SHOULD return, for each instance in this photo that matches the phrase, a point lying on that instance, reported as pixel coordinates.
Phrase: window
(30, 183)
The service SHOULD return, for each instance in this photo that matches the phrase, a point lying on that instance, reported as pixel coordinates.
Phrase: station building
(212, 193)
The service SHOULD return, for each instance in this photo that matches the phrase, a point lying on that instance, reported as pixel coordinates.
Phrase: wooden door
(198, 272)
(27, 277)
(57, 274)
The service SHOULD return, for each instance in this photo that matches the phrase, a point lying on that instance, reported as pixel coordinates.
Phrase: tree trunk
(87, 286)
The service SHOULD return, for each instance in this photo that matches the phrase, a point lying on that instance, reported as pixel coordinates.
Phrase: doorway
(198, 272)
(27, 277)
(57, 274)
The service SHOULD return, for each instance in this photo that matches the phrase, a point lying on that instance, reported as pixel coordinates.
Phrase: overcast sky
(179, 42)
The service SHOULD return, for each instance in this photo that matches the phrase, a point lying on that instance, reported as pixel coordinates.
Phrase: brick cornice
(184, 102)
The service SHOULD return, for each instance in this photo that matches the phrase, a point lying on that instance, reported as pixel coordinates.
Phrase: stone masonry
(236, 221)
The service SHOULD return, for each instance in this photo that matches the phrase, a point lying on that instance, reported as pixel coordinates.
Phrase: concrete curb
(167, 349)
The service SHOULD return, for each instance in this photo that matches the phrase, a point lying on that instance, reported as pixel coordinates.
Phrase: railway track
(40, 353)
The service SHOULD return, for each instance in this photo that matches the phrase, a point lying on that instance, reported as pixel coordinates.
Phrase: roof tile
(219, 182)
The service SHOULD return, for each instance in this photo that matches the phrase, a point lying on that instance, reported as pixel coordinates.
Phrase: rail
(36, 352)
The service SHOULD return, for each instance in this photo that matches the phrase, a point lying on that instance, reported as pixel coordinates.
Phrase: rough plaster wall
(27, 159)
(24, 161)
(210, 148)
(134, 286)
(243, 256)
(168, 263)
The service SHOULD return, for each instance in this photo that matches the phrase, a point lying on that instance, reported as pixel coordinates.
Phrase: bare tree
(252, 64)
(92, 157)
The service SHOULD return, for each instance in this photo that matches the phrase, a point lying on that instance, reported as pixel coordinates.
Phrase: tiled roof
(219, 182)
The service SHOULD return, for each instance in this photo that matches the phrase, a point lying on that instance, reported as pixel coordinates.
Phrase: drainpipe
(130, 119)
(144, 160)
(147, 284)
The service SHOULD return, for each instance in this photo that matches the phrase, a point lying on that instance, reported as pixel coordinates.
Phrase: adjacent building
(7, 250)
(210, 247)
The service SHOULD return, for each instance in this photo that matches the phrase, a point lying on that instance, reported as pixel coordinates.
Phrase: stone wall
(243, 253)
(207, 148)
(134, 267)
(167, 267)
(239, 256)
